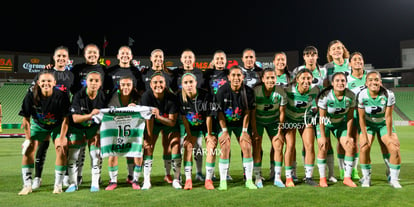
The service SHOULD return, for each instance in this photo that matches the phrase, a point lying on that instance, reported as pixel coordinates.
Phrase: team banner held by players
(122, 130)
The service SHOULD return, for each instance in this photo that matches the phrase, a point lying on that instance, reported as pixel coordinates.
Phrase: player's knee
(364, 147)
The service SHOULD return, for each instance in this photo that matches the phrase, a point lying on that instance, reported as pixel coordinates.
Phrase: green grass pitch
(162, 194)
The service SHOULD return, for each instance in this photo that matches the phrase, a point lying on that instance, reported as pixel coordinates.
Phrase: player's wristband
(224, 129)
(244, 130)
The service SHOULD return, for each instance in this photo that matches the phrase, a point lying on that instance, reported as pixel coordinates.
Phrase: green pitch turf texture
(162, 194)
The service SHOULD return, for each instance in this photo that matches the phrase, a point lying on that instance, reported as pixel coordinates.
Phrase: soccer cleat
(200, 177)
(348, 181)
(209, 185)
(176, 184)
(94, 189)
(332, 179)
(259, 183)
(323, 183)
(168, 179)
(188, 184)
(311, 182)
(36, 183)
(71, 188)
(57, 189)
(146, 186)
(66, 181)
(26, 190)
(355, 175)
(250, 185)
(111, 186)
(279, 183)
(395, 184)
(129, 179)
(223, 185)
(341, 174)
(229, 178)
(214, 178)
(135, 185)
(289, 182)
(365, 182)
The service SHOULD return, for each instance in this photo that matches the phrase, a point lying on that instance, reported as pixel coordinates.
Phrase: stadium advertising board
(32, 64)
(6, 63)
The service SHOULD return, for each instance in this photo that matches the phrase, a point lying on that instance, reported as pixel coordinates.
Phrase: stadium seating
(404, 101)
(11, 97)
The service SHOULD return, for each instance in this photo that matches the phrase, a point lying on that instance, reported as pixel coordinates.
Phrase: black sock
(41, 157)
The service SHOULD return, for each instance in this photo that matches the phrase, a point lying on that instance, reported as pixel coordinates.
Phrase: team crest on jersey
(217, 84)
(382, 101)
(47, 119)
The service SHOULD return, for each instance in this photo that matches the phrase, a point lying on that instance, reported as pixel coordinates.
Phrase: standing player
(64, 81)
(157, 66)
(125, 69)
(268, 115)
(195, 113)
(281, 68)
(126, 95)
(235, 100)
(338, 60)
(250, 69)
(375, 106)
(300, 98)
(188, 61)
(165, 119)
(85, 104)
(49, 109)
(336, 108)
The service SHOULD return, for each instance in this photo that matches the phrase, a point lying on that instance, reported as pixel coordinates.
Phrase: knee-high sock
(147, 168)
(59, 174)
(27, 171)
(73, 159)
(176, 164)
(248, 167)
(41, 157)
(95, 162)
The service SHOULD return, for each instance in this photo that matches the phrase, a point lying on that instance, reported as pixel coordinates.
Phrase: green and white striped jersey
(355, 84)
(332, 68)
(319, 75)
(375, 108)
(337, 110)
(122, 130)
(282, 80)
(267, 108)
(299, 105)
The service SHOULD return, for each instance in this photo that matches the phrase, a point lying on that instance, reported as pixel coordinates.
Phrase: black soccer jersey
(198, 74)
(116, 72)
(252, 76)
(49, 111)
(82, 104)
(64, 80)
(170, 78)
(217, 78)
(196, 111)
(166, 106)
(80, 71)
(234, 104)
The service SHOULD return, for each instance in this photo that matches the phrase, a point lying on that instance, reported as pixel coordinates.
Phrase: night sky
(374, 28)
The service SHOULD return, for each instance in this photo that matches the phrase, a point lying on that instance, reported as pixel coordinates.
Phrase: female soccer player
(64, 81)
(268, 115)
(126, 95)
(235, 100)
(85, 104)
(49, 109)
(157, 66)
(281, 68)
(250, 70)
(375, 105)
(165, 119)
(300, 98)
(338, 60)
(310, 56)
(336, 110)
(188, 61)
(194, 104)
